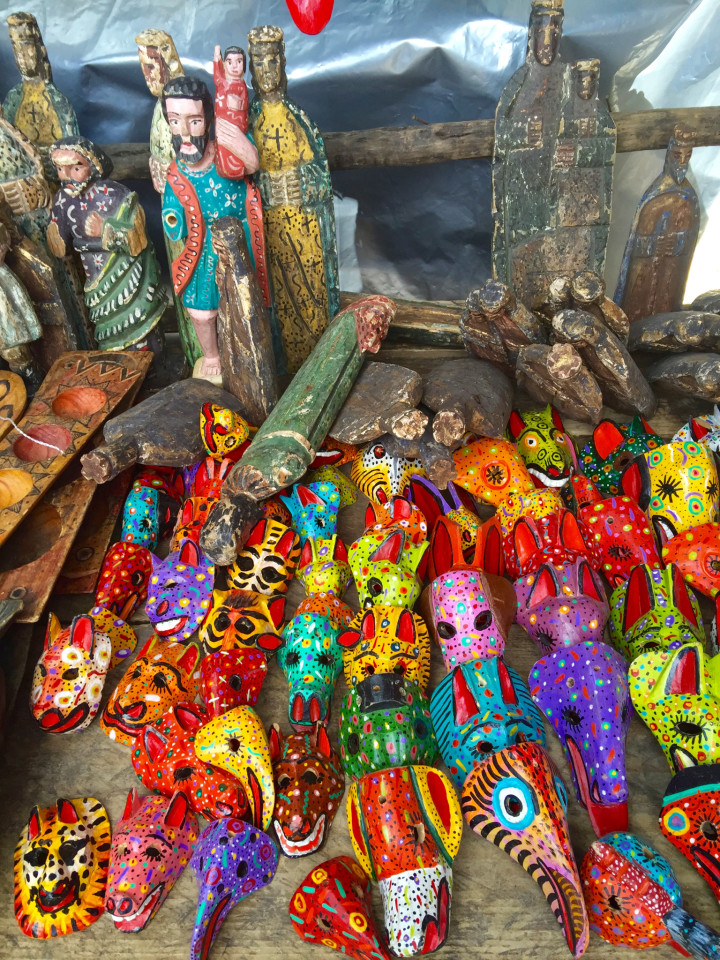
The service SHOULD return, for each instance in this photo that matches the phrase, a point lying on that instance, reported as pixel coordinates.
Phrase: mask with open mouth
(478, 708)
(311, 658)
(516, 800)
(653, 610)
(314, 509)
(151, 846)
(242, 618)
(267, 562)
(163, 757)
(231, 678)
(583, 692)
(543, 445)
(232, 859)
(696, 553)
(309, 785)
(161, 675)
(236, 742)
(381, 476)
(405, 826)
(675, 692)
(61, 868)
(690, 819)
(612, 447)
(180, 592)
(333, 906)
(124, 579)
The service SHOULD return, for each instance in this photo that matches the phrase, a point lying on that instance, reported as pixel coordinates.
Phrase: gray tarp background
(421, 231)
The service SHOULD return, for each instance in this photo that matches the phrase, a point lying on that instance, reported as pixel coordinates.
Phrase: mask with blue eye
(516, 800)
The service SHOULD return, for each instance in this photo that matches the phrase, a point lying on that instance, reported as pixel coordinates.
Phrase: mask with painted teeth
(180, 592)
(542, 444)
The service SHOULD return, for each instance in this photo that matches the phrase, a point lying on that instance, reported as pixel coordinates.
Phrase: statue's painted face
(587, 81)
(188, 127)
(74, 171)
(546, 38)
(268, 69)
(154, 69)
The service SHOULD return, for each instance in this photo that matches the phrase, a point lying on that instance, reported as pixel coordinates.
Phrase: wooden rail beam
(460, 140)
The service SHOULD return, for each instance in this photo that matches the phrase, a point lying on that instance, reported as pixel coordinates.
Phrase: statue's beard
(199, 143)
(73, 188)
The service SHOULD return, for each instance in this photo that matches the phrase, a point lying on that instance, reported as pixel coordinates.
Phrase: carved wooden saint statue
(662, 240)
(552, 165)
(105, 224)
(195, 196)
(35, 105)
(231, 102)
(298, 210)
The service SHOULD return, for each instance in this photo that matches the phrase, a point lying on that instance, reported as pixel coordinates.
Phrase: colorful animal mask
(612, 447)
(209, 479)
(398, 513)
(314, 509)
(676, 484)
(516, 800)
(696, 553)
(653, 610)
(385, 566)
(124, 579)
(141, 517)
(386, 640)
(236, 742)
(163, 757)
(311, 659)
(179, 592)
(690, 819)
(190, 521)
(333, 453)
(491, 470)
(543, 445)
(241, 618)
(561, 605)
(232, 860)
(231, 678)
(61, 868)
(385, 722)
(478, 708)
(552, 539)
(333, 906)
(223, 431)
(583, 692)
(309, 785)
(676, 695)
(151, 846)
(161, 675)
(70, 675)
(380, 476)
(704, 429)
(455, 503)
(324, 570)
(347, 491)
(267, 562)
(405, 826)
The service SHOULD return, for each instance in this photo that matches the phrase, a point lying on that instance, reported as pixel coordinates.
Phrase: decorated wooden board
(13, 398)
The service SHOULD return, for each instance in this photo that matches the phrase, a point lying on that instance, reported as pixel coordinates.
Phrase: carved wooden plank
(558, 376)
(467, 396)
(13, 398)
(676, 332)
(381, 393)
(687, 375)
(77, 396)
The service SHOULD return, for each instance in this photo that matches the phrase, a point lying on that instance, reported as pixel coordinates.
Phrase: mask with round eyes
(690, 819)
(232, 859)
(232, 678)
(491, 470)
(385, 567)
(405, 826)
(70, 675)
(311, 659)
(236, 742)
(124, 579)
(267, 562)
(151, 846)
(386, 640)
(517, 800)
(161, 675)
(385, 722)
(612, 447)
(223, 432)
(676, 484)
(61, 868)
(241, 618)
(583, 693)
(380, 476)
(542, 444)
(478, 708)
(562, 604)
(333, 905)
(179, 592)
(696, 554)
(314, 509)
(163, 757)
(676, 694)
(653, 610)
(191, 519)
(309, 785)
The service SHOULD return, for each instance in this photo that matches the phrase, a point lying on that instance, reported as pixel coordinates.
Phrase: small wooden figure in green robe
(298, 211)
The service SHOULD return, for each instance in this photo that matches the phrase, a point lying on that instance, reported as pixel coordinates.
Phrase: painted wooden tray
(79, 393)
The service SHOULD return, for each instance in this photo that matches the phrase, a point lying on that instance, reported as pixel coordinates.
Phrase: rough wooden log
(676, 332)
(494, 325)
(227, 528)
(687, 375)
(382, 392)
(436, 458)
(420, 322)
(558, 376)
(587, 292)
(458, 140)
(467, 396)
(710, 301)
(409, 425)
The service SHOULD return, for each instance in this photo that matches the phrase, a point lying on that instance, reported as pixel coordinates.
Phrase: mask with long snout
(583, 693)
(179, 593)
(314, 509)
(311, 659)
(405, 826)
(124, 579)
(517, 800)
(696, 554)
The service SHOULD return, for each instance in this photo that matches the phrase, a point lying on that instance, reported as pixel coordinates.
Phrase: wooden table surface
(497, 909)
